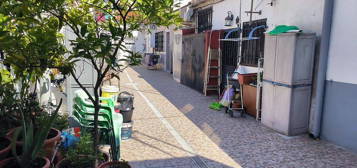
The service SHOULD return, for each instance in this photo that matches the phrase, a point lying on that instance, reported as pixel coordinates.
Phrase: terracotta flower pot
(59, 157)
(58, 165)
(49, 144)
(5, 151)
(8, 160)
(116, 163)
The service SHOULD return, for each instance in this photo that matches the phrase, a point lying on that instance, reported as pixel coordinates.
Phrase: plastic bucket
(126, 130)
(126, 102)
(109, 92)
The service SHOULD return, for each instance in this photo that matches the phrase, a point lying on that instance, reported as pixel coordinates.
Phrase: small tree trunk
(96, 133)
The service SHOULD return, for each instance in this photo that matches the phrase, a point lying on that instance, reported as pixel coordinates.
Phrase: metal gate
(252, 50)
(193, 61)
(229, 56)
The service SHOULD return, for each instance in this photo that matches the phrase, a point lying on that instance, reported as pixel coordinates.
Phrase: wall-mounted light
(229, 19)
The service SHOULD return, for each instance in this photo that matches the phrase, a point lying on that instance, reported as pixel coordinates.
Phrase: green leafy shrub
(9, 117)
(61, 122)
(82, 154)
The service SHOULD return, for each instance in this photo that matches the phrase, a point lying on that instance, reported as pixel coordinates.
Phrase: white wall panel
(343, 43)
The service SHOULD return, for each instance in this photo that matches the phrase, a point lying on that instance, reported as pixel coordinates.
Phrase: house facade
(332, 114)
(305, 14)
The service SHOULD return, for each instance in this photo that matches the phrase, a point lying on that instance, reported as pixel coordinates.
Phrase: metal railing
(252, 50)
(204, 20)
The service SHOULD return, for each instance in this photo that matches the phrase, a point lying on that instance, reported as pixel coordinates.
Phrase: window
(252, 50)
(204, 20)
(159, 41)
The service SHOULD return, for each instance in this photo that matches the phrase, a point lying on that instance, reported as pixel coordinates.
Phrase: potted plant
(4, 147)
(81, 155)
(33, 139)
(8, 104)
(98, 41)
(33, 114)
(32, 44)
(115, 164)
(40, 162)
(30, 34)
(61, 122)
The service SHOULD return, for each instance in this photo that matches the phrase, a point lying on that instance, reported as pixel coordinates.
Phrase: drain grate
(199, 162)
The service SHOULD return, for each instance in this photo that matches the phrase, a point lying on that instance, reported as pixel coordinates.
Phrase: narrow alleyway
(173, 127)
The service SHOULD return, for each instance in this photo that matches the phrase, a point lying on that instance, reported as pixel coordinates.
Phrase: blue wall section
(339, 122)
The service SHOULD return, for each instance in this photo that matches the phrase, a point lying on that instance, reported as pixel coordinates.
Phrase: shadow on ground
(244, 139)
(172, 162)
(183, 162)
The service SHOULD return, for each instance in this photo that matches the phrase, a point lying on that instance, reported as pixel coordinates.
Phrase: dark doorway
(229, 57)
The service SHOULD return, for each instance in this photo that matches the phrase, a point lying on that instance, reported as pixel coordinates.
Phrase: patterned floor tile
(249, 143)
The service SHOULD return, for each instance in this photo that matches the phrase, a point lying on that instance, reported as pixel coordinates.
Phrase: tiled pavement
(174, 128)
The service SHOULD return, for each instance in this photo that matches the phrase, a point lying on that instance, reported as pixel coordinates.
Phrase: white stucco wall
(182, 2)
(139, 42)
(306, 14)
(342, 61)
(220, 13)
(147, 41)
(150, 38)
(84, 71)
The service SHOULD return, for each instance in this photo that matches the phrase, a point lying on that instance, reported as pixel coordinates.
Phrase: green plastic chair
(109, 121)
(89, 120)
(82, 100)
(103, 115)
(86, 112)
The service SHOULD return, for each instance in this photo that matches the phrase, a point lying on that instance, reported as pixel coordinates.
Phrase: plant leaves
(84, 29)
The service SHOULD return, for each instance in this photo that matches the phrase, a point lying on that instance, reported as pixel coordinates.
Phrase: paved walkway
(173, 128)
